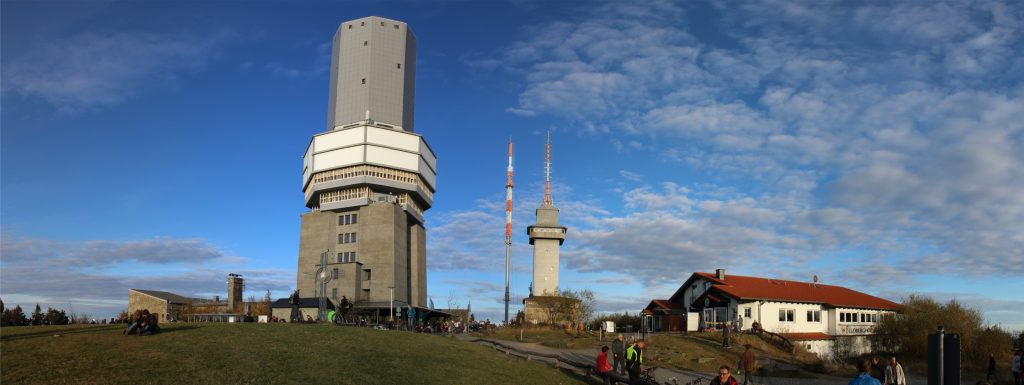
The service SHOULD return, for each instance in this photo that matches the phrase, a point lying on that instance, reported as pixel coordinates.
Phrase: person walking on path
(724, 377)
(634, 358)
(991, 367)
(894, 373)
(864, 377)
(877, 369)
(726, 334)
(1016, 365)
(602, 368)
(748, 364)
(294, 301)
(618, 351)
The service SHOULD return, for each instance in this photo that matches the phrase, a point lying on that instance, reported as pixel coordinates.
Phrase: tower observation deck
(369, 178)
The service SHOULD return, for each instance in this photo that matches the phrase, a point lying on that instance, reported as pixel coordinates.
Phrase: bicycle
(647, 377)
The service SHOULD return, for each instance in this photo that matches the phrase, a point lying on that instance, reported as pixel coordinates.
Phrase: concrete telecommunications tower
(546, 236)
(369, 177)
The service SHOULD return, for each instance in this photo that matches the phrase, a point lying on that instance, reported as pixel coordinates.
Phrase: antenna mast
(508, 225)
(547, 171)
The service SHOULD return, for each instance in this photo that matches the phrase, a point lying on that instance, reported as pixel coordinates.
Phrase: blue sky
(878, 146)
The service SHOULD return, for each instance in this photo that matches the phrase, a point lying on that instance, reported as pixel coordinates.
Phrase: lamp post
(391, 304)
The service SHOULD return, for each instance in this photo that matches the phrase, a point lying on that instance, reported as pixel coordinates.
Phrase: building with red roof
(810, 314)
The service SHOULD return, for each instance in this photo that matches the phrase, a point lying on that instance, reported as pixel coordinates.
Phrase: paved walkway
(667, 375)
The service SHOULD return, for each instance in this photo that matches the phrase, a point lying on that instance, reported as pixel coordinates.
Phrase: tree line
(907, 332)
(17, 317)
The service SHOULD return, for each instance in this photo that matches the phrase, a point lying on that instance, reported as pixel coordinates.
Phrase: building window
(347, 238)
(746, 312)
(396, 26)
(346, 257)
(334, 292)
(364, 80)
(334, 274)
(786, 315)
(362, 23)
(347, 219)
(350, 26)
(366, 43)
(382, 24)
(399, 65)
(814, 316)
(366, 275)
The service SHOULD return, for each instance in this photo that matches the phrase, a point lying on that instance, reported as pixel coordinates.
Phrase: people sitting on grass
(134, 322)
(142, 323)
(149, 324)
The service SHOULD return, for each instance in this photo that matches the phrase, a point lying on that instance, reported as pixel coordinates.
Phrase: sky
(877, 145)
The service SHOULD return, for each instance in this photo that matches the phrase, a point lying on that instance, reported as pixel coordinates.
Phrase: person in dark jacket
(991, 367)
(724, 377)
(618, 353)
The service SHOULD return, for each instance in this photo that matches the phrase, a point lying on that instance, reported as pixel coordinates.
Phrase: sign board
(264, 319)
(609, 326)
(692, 321)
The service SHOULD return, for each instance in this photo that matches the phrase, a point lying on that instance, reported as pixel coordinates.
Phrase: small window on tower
(382, 24)
(364, 80)
(396, 26)
(362, 23)
(350, 26)
(399, 65)
(366, 42)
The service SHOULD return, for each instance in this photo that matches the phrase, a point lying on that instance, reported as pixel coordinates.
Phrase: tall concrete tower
(369, 178)
(546, 236)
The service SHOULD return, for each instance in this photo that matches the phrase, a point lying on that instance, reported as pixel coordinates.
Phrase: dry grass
(256, 353)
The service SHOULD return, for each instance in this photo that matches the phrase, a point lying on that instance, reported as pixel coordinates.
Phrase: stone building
(369, 177)
(170, 306)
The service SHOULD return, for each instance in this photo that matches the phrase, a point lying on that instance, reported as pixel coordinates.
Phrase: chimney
(720, 274)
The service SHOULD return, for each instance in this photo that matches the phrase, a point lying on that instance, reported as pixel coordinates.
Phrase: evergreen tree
(17, 317)
(37, 316)
(56, 317)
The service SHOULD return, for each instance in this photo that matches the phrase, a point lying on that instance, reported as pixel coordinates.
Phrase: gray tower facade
(369, 178)
(546, 236)
(373, 73)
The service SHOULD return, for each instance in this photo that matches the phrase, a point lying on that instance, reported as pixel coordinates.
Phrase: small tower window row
(347, 257)
(348, 219)
(346, 238)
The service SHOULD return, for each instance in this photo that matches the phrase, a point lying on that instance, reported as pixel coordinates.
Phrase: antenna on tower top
(547, 171)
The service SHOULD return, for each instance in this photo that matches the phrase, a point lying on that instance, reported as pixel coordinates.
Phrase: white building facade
(823, 319)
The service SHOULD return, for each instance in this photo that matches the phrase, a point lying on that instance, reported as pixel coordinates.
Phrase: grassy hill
(218, 353)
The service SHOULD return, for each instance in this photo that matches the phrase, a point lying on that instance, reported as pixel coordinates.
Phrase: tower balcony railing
(375, 172)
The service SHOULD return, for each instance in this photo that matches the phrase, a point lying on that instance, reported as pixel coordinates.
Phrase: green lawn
(256, 353)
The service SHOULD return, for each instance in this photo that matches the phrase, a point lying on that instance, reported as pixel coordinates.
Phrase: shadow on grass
(46, 333)
(96, 329)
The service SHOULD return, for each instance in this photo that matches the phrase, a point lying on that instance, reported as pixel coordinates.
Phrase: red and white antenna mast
(547, 171)
(508, 225)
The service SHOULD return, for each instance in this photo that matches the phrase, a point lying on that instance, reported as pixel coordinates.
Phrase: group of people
(1016, 367)
(627, 357)
(874, 372)
(142, 323)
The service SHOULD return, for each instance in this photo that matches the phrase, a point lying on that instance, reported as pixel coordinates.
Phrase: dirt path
(666, 375)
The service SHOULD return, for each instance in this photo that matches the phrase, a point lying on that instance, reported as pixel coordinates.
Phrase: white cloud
(101, 69)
